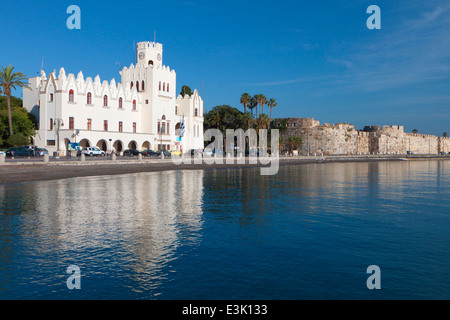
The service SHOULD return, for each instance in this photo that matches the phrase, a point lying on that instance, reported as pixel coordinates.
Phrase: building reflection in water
(131, 223)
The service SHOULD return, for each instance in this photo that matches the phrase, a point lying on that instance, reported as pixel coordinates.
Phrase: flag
(182, 128)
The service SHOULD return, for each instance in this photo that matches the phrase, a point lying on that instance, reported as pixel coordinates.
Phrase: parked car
(93, 151)
(254, 154)
(442, 153)
(131, 153)
(2, 153)
(176, 153)
(193, 153)
(40, 152)
(149, 153)
(19, 152)
(207, 152)
(165, 152)
(409, 152)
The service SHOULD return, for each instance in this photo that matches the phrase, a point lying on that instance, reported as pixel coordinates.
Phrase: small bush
(17, 140)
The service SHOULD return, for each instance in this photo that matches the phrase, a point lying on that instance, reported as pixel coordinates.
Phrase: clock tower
(149, 54)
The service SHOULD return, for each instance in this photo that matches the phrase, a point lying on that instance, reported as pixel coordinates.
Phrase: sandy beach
(19, 172)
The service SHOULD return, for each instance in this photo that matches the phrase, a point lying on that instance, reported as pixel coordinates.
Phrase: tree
(415, 131)
(22, 123)
(271, 104)
(263, 122)
(245, 100)
(247, 120)
(253, 104)
(445, 134)
(293, 143)
(18, 140)
(8, 81)
(186, 90)
(262, 101)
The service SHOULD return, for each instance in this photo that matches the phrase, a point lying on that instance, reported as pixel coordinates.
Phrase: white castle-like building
(140, 112)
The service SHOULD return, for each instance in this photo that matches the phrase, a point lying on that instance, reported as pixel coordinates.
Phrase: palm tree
(263, 122)
(8, 81)
(415, 131)
(293, 143)
(247, 120)
(252, 105)
(215, 118)
(271, 104)
(262, 101)
(245, 100)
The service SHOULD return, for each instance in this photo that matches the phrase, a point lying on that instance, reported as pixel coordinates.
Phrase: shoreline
(22, 172)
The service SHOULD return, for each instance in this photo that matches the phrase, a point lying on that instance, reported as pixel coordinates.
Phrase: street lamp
(58, 123)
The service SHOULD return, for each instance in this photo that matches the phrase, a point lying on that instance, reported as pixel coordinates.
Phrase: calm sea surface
(309, 232)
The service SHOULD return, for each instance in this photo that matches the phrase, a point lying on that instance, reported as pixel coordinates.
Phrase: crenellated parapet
(149, 44)
(81, 86)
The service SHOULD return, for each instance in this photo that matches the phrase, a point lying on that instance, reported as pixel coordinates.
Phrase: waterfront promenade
(27, 170)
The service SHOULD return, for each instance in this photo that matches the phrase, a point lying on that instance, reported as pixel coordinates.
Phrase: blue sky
(316, 58)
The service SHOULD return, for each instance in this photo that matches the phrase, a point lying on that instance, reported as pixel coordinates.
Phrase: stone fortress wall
(343, 138)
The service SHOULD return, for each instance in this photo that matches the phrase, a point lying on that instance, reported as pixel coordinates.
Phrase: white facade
(141, 112)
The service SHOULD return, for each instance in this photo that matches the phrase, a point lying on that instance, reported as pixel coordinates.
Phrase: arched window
(137, 86)
(71, 96)
(150, 62)
(89, 98)
(105, 100)
(131, 85)
(164, 117)
(51, 124)
(160, 86)
(196, 112)
(134, 104)
(142, 86)
(176, 110)
(167, 87)
(120, 103)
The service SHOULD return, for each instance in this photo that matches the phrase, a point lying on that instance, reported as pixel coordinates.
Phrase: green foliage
(224, 117)
(186, 90)
(15, 102)
(245, 100)
(293, 143)
(21, 120)
(18, 140)
(445, 134)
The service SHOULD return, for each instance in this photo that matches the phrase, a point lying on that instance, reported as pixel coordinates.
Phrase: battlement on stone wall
(149, 44)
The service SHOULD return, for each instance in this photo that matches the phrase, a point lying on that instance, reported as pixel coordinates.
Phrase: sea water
(309, 232)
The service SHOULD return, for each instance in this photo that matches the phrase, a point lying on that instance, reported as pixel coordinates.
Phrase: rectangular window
(50, 97)
(71, 123)
(146, 101)
(159, 127)
(120, 126)
(105, 125)
(89, 124)
(168, 129)
(51, 142)
(163, 128)
(134, 127)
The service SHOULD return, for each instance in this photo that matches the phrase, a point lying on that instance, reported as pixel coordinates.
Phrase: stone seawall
(343, 138)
